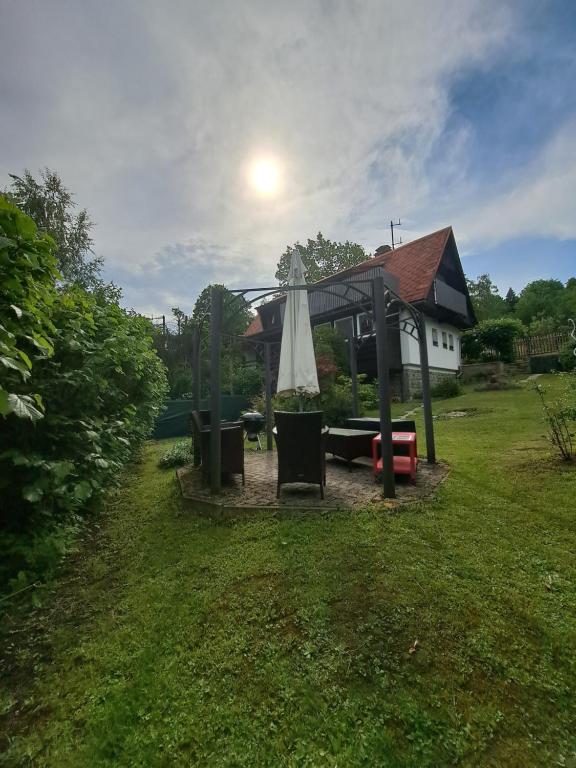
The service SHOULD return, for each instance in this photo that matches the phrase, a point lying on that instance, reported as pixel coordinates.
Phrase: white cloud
(151, 112)
(538, 201)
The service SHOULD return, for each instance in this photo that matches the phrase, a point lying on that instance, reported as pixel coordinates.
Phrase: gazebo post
(353, 374)
(268, 380)
(426, 394)
(196, 386)
(215, 402)
(379, 303)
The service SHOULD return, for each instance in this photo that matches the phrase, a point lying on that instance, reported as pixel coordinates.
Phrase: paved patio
(344, 489)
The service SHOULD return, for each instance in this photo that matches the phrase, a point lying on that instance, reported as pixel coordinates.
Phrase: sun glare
(264, 177)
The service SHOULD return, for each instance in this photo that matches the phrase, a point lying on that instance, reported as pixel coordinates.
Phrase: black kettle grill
(253, 425)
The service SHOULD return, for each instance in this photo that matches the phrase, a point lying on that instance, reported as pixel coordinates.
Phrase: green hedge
(91, 391)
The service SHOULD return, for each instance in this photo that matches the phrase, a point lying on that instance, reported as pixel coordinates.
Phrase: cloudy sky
(439, 112)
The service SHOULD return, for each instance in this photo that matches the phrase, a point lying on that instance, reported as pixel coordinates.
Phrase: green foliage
(248, 380)
(331, 346)
(559, 416)
(27, 292)
(487, 302)
(179, 381)
(511, 300)
(101, 390)
(567, 357)
(492, 338)
(51, 206)
(540, 299)
(176, 456)
(236, 316)
(448, 387)
(321, 257)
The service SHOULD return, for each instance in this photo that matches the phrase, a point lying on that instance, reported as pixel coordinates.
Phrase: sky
(437, 112)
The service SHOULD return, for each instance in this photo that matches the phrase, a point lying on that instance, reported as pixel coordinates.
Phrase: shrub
(559, 415)
(492, 337)
(448, 387)
(27, 292)
(177, 455)
(567, 358)
(248, 380)
(101, 390)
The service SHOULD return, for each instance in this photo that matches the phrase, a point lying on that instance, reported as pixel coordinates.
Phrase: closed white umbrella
(297, 374)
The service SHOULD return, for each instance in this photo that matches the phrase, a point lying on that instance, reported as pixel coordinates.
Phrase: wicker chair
(300, 441)
(232, 445)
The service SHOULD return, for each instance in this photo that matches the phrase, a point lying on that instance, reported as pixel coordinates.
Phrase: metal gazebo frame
(380, 296)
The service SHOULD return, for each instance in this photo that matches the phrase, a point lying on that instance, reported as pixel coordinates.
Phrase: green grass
(172, 640)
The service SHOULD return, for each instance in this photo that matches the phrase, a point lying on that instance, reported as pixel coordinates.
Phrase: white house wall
(438, 357)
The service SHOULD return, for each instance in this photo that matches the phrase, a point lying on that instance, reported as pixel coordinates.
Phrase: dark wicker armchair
(232, 447)
(301, 448)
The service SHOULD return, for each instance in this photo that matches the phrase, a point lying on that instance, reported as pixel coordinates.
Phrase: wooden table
(349, 444)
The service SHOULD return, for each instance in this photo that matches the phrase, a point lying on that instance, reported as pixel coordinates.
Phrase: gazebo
(369, 292)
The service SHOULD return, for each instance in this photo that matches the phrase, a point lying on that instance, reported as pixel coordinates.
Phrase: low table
(349, 444)
(373, 422)
(403, 465)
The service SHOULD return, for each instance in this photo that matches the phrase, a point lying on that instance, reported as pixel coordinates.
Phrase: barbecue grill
(253, 425)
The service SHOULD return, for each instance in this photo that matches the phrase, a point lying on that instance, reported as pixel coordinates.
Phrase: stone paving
(344, 489)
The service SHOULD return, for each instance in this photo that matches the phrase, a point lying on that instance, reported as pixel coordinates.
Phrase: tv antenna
(392, 225)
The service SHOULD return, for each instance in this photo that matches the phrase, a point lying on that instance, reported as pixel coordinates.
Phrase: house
(426, 273)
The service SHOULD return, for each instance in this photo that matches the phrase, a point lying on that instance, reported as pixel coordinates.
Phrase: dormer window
(434, 337)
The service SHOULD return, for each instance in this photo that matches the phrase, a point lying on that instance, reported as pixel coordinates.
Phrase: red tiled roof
(415, 264)
(254, 327)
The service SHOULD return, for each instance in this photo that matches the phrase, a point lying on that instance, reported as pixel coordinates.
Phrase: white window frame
(435, 337)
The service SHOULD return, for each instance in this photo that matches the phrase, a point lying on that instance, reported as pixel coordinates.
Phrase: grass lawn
(172, 640)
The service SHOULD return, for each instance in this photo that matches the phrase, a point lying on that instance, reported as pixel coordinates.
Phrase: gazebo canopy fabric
(297, 374)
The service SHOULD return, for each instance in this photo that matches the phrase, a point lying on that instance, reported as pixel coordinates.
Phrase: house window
(451, 341)
(365, 324)
(444, 339)
(345, 326)
(435, 337)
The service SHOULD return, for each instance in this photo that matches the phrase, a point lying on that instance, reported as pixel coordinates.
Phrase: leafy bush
(179, 454)
(248, 380)
(567, 357)
(27, 282)
(492, 338)
(91, 390)
(559, 415)
(448, 387)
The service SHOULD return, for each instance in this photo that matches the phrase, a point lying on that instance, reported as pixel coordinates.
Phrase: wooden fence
(546, 344)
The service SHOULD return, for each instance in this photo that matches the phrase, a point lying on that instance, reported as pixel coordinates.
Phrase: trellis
(374, 293)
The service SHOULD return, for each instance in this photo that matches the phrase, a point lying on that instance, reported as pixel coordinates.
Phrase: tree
(236, 316)
(487, 302)
(511, 300)
(321, 257)
(492, 337)
(541, 299)
(49, 203)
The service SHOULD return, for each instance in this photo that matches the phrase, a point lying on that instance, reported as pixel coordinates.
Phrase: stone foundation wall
(412, 380)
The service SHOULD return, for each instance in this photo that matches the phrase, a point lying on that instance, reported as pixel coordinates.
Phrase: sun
(264, 176)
